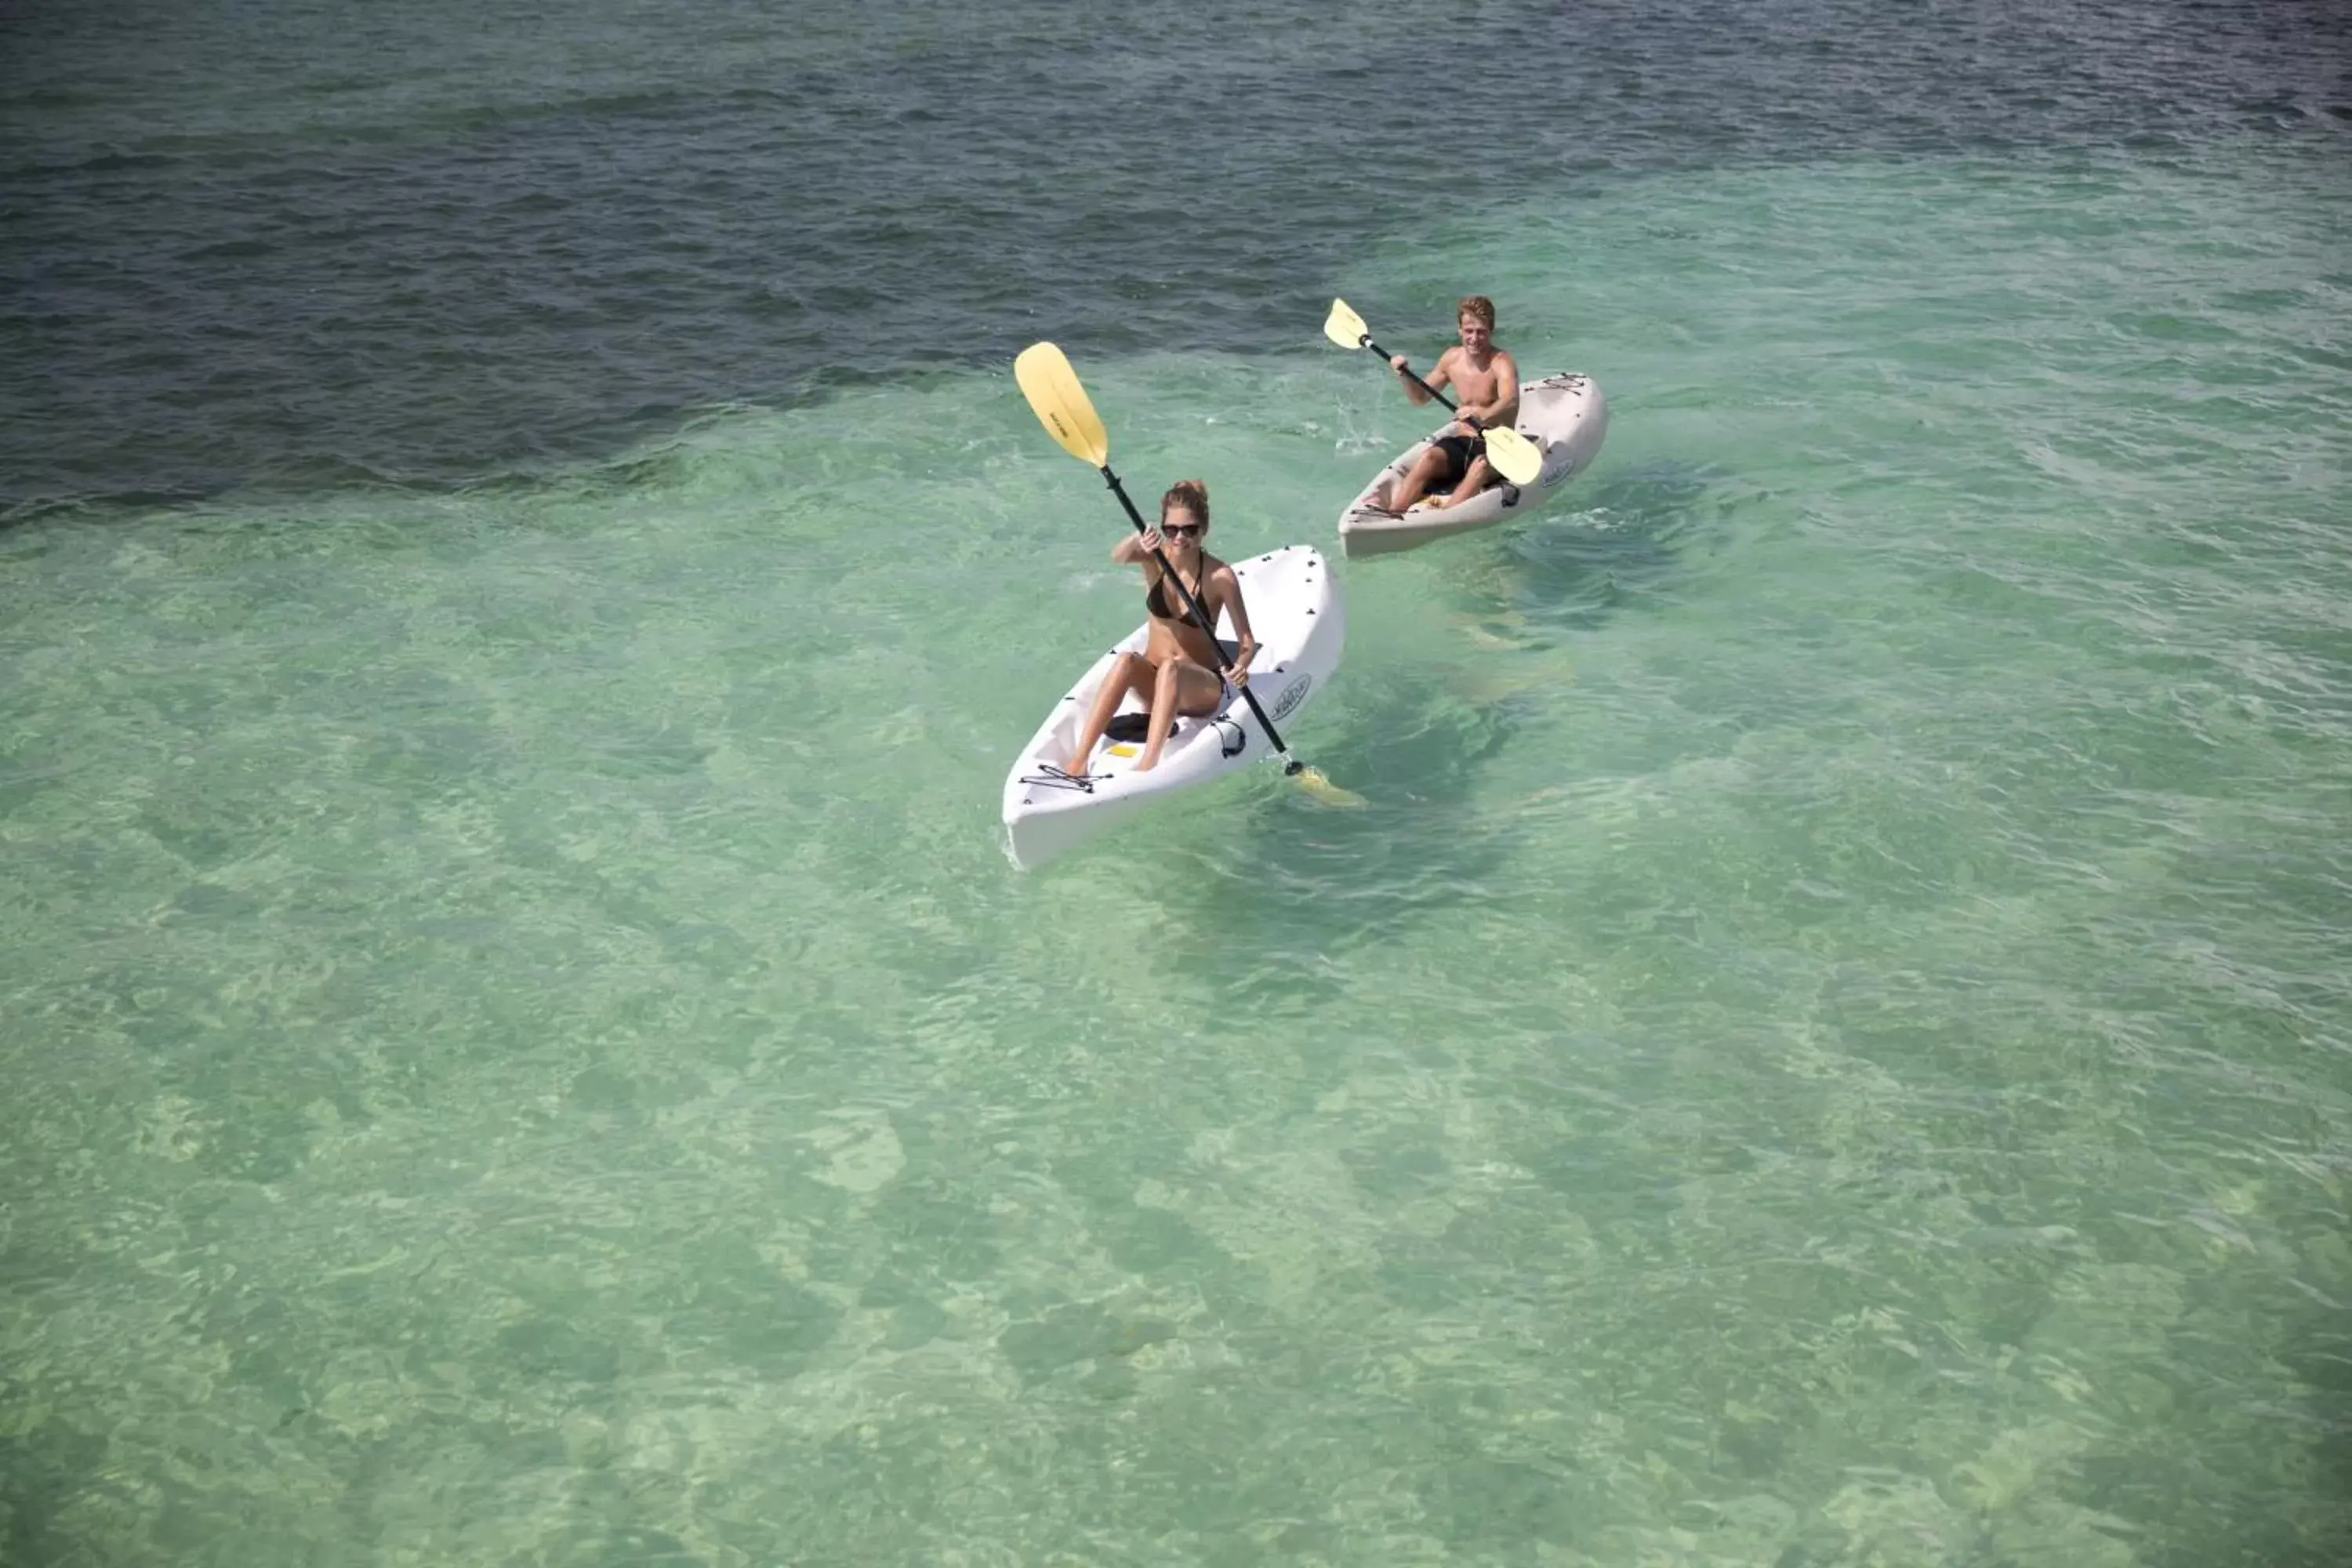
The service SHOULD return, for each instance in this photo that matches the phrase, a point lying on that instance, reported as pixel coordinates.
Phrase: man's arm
(1441, 375)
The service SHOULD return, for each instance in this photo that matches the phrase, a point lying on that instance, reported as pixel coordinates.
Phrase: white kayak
(1294, 611)
(1565, 415)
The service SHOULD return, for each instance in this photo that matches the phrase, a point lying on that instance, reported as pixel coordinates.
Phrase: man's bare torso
(1497, 379)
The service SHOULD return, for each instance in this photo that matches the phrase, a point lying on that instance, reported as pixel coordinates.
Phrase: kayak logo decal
(1292, 696)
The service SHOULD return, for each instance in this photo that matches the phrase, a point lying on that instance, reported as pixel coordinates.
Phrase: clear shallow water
(1827, 1043)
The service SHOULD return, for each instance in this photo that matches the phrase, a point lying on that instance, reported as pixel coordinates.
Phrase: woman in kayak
(1178, 671)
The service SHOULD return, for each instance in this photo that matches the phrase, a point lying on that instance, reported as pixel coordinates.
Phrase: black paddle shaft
(1200, 619)
(1417, 381)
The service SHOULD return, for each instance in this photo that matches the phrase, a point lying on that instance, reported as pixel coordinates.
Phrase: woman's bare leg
(1183, 687)
(1129, 672)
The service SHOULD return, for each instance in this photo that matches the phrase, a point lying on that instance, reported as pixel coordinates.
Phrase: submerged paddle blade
(1312, 781)
(1344, 327)
(1513, 454)
(1052, 390)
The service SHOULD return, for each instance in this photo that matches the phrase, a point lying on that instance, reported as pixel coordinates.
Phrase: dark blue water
(283, 245)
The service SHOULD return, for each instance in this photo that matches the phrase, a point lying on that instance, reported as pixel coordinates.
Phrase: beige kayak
(1566, 417)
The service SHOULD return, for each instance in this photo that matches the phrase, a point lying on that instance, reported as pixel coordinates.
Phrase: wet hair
(1476, 305)
(1192, 495)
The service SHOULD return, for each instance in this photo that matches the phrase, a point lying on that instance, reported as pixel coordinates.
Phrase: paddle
(1513, 454)
(1062, 405)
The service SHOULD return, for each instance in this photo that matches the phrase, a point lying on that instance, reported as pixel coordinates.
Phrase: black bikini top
(1155, 602)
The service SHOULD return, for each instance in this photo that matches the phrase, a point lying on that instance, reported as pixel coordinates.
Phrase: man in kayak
(1485, 380)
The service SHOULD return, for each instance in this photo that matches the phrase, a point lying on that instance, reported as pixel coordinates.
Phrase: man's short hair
(1476, 305)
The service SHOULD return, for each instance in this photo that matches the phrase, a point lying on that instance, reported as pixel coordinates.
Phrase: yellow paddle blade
(1312, 781)
(1513, 454)
(1052, 390)
(1344, 327)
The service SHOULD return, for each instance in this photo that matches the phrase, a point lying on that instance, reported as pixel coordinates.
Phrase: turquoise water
(1827, 1044)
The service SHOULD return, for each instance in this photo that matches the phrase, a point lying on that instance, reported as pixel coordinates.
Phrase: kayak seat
(1129, 729)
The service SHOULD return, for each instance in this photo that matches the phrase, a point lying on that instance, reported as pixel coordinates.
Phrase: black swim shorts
(1460, 451)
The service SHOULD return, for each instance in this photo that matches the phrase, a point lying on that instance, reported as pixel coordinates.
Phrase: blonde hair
(1476, 305)
(1192, 495)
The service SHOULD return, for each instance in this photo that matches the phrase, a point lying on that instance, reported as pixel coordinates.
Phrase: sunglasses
(1182, 530)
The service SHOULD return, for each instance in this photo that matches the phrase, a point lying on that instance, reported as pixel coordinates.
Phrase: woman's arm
(1229, 588)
